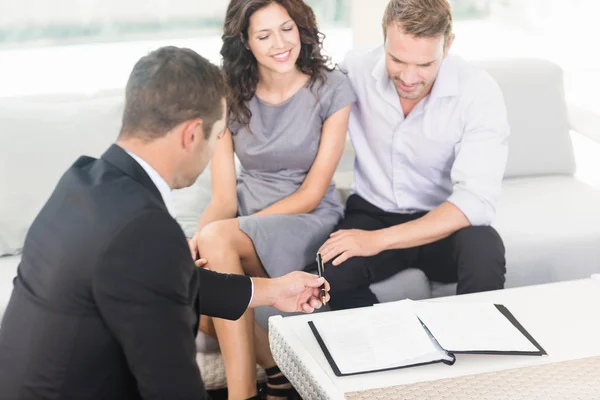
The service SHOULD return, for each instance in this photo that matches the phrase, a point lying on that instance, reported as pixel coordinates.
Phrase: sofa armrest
(585, 122)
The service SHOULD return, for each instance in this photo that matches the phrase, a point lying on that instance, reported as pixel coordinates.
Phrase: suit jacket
(107, 297)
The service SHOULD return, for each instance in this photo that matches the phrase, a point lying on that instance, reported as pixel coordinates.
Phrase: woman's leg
(264, 357)
(243, 342)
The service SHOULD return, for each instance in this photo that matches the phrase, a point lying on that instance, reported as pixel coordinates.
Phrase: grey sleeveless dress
(276, 154)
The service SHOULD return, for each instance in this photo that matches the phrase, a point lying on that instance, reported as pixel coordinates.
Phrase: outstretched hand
(298, 292)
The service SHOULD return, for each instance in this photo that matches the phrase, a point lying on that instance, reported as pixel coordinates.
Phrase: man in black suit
(106, 301)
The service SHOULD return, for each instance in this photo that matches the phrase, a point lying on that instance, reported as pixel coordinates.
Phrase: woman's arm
(318, 179)
(223, 201)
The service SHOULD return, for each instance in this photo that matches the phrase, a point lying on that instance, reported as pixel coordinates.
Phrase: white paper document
(408, 333)
(374, 338)
(471, 327)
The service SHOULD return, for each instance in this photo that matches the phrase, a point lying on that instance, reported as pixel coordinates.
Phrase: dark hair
(240, 65)
(169, 86)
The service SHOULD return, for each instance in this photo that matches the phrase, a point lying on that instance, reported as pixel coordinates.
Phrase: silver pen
(321, 269)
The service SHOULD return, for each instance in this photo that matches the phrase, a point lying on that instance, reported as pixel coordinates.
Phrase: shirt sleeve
(225, 296)
(251, 293)
(481, 155)
(342, 93)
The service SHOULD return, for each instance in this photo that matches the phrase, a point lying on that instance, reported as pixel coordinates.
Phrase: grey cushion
(408, 284)
(439, 289)
(191, 201)
(206, 344)
(551, 229)
(539, 142)
(38, 142)
(8, 271)
(344, 173)
(586, 122)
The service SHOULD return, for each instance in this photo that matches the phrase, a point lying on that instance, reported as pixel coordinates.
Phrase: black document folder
(526, 346)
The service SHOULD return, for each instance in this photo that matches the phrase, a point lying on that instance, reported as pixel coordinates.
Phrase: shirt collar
(384, 84)
(446, 84)
(159, 182)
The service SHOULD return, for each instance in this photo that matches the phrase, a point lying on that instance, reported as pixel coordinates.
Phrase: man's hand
(294, 292)
(194, 249)
(345, 244)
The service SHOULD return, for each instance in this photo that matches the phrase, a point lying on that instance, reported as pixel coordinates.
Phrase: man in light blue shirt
(430, 134)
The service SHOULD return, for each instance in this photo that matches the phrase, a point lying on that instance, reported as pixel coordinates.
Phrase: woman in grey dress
(288, 121)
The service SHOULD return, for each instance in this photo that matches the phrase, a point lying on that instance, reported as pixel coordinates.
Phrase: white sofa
(549, 219)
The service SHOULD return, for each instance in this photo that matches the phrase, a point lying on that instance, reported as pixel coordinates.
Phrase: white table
(563, 317)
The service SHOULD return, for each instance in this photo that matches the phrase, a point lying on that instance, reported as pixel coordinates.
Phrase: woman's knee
(217, 235)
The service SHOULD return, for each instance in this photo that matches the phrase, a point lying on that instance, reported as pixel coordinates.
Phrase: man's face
(413, 63)
(200, 151)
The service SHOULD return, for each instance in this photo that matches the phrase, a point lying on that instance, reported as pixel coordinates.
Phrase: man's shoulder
(105, 181)
(111, 197)
(361, 60)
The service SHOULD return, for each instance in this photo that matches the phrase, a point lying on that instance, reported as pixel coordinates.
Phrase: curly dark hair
(240, 65)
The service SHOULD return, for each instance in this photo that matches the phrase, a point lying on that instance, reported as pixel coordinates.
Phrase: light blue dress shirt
(451, 147)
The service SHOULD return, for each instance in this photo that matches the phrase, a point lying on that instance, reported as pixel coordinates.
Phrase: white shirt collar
(447, 82)
(159, 182)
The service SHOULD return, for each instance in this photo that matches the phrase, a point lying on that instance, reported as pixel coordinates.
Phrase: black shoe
(289, 393)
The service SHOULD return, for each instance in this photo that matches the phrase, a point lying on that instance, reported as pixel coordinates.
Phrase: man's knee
(482, 242)
(480, 254)
(349, 285)
(348, 276)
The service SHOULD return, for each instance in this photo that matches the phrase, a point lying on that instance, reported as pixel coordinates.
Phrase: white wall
(566, 16)
(365, 20)
(18, 13)
(23, 13)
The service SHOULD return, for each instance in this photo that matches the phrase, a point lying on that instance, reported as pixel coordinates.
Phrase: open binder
(408, 334)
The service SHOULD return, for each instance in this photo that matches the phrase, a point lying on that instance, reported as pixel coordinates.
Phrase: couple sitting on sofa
(430, 134)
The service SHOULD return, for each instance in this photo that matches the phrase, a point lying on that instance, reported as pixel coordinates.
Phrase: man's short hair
(420, 18)
(169, 86)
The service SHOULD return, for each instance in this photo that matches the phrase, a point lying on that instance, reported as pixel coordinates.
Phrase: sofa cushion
(408, 284)
(39, 141)
(191, 201)
(439, 289)
(551, 229)
(344, 174)
(8, 271)
(539, 142)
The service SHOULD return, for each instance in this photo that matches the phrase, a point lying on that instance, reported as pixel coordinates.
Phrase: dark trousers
(473, 257)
